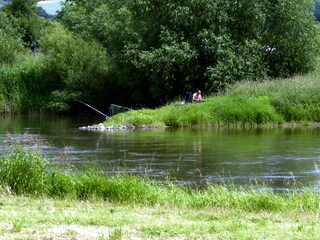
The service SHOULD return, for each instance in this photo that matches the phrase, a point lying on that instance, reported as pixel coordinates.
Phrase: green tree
(159, 49)
(77, 67)
(10, 48)
(290, 37)
(26, 13)
(10, 40)
(20, 8)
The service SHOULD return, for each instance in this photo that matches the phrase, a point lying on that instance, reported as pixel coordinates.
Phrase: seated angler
(196, 97)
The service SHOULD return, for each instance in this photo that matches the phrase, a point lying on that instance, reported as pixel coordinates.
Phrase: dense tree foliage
(77, 67)
(10, 40)
(26, 14)
(43, 66)
(161, 48)
(148, 52)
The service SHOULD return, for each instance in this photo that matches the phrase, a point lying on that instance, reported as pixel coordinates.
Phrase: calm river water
(276, 158)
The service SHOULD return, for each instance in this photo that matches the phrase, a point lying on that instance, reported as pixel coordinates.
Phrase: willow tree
(159, 49)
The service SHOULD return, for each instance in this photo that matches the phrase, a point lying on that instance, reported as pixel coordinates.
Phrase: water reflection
(197, 148)
(276, 158)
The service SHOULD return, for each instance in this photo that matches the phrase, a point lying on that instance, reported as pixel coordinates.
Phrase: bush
(79, 68)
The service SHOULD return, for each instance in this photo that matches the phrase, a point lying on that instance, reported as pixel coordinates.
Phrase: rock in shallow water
(102, 127)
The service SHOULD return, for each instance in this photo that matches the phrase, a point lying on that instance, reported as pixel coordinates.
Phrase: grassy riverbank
(40, 201)
(47, 218)
(295, 101)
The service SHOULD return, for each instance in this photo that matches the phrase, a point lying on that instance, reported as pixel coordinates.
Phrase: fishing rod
(93, 108)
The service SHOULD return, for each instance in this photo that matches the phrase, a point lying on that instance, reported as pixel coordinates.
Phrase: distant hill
(47, 9)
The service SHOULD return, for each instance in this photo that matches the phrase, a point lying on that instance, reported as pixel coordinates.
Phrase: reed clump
(25, 86)
(295, 99)
(26, 172)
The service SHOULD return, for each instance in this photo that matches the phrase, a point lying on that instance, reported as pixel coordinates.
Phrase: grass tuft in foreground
(26, 172)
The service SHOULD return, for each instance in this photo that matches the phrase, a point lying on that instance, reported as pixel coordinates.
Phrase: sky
(50, 6)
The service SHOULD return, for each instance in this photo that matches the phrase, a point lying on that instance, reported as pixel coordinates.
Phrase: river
(272, 158)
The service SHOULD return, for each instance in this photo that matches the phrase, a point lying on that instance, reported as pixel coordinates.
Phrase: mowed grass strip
(46, 218)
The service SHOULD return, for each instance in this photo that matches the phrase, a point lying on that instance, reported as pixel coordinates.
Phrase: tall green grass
(23, 172)
(296, 99)
(215, 111)
(277, 101)
(26, 172)
(25, 86)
